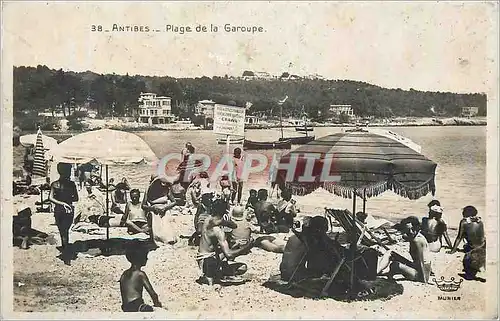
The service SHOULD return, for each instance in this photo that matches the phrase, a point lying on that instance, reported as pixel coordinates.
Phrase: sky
(445, 46)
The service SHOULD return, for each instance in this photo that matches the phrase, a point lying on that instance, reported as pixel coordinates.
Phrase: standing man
(237, 179)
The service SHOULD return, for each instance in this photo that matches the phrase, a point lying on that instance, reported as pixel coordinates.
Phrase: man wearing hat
(419, 269)
(434, 228)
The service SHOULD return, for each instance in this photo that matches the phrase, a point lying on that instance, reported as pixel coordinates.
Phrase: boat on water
(304, 128)
(301, 140)
(232, 140)
(252, 145)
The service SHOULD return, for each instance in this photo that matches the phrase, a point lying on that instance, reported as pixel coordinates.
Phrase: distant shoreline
(67, 134)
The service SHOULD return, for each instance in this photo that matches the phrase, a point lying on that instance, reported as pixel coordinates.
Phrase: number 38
(96, 28)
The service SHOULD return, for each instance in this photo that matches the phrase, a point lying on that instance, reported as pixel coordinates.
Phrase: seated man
(286, 211)
(266, 213)
(434, 228)
(119, 198)
(135, 217)
(417, 270)
(472, 230)
(214, 253)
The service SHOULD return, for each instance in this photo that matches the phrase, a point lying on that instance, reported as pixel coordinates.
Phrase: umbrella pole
(364, 201)
(353, 245)
(107, 204)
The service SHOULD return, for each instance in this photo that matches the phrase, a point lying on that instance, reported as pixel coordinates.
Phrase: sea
(460, 153)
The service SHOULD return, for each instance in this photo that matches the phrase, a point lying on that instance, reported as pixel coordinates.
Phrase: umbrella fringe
(412, 192)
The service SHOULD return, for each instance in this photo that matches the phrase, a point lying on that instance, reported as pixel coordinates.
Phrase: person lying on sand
(133, 281)
(434, 228)
(214, 253)
(135, 218)
(472, 230)
(417, 270)
(242, 234)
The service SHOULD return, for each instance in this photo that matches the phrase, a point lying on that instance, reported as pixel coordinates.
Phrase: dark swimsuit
(137, 305)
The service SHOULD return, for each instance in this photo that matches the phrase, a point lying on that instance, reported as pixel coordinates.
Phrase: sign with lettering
(229, 120)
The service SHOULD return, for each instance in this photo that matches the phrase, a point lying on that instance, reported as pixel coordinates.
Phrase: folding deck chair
(343, 262)
(344, 218)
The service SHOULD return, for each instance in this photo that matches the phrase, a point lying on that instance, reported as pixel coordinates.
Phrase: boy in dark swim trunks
(133, 281)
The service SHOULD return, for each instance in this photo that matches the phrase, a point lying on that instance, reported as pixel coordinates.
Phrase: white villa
(154, 109)
(205, 108)
(469, 111)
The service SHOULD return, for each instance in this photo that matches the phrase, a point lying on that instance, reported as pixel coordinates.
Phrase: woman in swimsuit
(63, 193)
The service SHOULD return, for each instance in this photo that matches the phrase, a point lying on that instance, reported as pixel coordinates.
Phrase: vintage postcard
(254, 160)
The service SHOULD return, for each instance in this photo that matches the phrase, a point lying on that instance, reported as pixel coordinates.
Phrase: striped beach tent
(39, 167)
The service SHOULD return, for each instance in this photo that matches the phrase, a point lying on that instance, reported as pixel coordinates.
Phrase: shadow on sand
(383, 289)
(113, 246)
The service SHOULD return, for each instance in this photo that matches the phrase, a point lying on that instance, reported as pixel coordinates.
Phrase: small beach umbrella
(361, 163)
(31, 139)
(39, 163)
(106, 147)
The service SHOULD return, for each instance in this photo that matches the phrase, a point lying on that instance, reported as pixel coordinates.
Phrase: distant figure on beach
(133, 281)
(434, 228)
(29, 159)
(472, 230)
(187, 151)
(238, 164)
(135, 218)
(62, 194)
(417, 270)
(214, 254)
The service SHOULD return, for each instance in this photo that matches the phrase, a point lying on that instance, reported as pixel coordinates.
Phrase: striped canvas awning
(39, 167)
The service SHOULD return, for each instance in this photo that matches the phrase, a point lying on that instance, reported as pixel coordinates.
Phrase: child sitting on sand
(226, 186)
(251, 202)
(133, 281)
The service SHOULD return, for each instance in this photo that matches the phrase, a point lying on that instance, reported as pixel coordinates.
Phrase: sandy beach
(42, 283)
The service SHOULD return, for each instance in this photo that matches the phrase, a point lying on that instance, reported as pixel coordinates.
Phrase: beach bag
(163, 230)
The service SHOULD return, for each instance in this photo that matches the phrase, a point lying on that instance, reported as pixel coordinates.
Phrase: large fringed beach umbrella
(39, 163)
(106, 147)
(358, 163)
